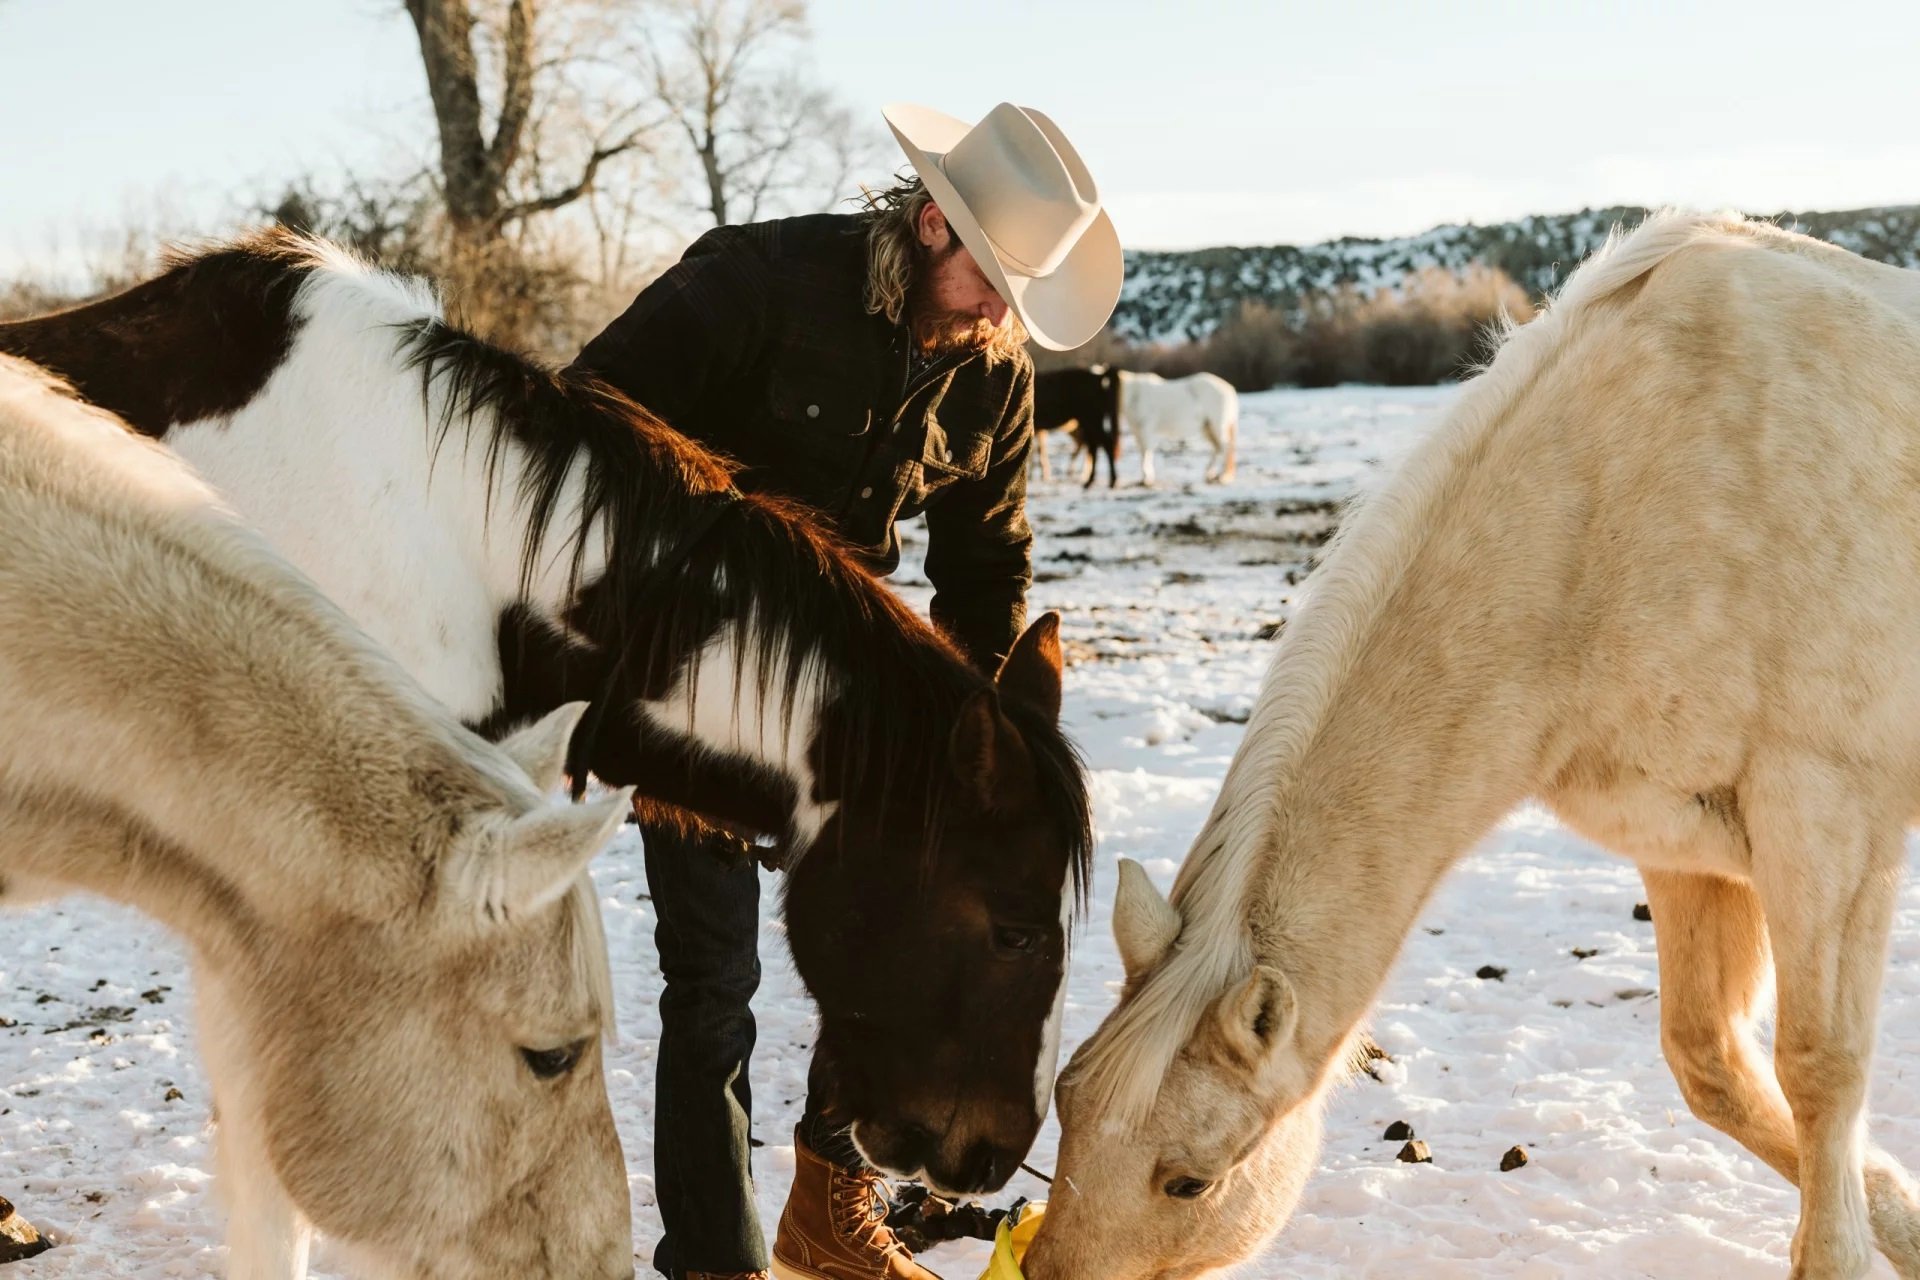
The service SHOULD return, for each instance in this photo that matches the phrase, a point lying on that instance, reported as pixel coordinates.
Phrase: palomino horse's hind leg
(1714, 979)
(1825, 869)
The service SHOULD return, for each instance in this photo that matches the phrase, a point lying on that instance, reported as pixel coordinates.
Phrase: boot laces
(860, 1201)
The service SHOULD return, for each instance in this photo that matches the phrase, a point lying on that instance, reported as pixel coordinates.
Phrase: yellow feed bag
(1010, 1244)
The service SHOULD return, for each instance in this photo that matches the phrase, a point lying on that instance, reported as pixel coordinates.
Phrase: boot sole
(782, 1271)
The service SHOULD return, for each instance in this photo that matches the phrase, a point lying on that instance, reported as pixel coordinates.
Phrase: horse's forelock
(592, 964)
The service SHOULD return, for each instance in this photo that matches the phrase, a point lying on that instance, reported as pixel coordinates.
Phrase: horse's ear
(1144, 923)
(1258, 1016)
(1031, 672)
(541, 747)
(989, 758)
(499, 875)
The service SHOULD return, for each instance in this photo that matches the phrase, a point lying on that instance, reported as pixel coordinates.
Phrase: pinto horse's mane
(592, 469)
(805, 595)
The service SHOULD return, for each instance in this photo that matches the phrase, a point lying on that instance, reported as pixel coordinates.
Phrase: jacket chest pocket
(817, 407)
(952, 455)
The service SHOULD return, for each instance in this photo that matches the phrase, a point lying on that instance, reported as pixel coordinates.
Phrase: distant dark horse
(519, 537)
(1085, 403)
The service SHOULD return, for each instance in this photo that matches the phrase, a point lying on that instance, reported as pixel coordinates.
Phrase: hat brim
(1061, 310)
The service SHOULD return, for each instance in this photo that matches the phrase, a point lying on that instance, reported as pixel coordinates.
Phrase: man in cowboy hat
(873, 366)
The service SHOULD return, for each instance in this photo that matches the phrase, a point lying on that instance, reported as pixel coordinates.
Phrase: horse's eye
(1007, 937)
(1187, 1188)
(550, 1064)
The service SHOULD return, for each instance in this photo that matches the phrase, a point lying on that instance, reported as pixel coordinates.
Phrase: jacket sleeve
(980, 547)
(688, 332)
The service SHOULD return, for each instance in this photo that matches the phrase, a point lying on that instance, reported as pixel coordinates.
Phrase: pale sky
(1203, 122)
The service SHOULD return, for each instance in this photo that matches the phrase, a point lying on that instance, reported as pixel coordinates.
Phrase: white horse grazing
(1660, 566)
(401, 975)
(1161, 411)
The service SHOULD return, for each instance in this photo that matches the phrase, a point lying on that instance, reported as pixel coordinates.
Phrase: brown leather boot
(835, 1227)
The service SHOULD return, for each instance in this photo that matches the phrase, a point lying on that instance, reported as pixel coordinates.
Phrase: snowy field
(103, 1108)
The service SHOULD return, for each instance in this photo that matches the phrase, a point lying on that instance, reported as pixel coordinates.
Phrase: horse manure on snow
(18, 1238)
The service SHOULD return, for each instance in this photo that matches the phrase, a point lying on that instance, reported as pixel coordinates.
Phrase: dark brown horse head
(939, 968)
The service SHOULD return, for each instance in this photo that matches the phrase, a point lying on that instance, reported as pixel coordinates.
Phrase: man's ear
(932, 226)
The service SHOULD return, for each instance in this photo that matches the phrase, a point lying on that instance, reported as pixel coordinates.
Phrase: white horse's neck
(135, 714)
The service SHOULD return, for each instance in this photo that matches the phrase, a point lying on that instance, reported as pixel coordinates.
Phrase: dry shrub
(1431, 327)
(1434, 326)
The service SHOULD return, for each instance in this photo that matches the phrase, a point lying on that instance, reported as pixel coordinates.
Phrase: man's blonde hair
(895, 257)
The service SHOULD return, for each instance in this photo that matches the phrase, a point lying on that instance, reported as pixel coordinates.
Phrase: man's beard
(939, 333)
(942, 333)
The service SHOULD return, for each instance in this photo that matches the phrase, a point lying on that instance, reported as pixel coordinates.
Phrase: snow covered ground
(1164, 594)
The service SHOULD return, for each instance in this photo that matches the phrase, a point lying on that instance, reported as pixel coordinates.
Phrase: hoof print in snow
(1415, 1152)
(1643, 912)
(1398, 1131)
(1515, 1157)
(1492, 972)
(18, 1239)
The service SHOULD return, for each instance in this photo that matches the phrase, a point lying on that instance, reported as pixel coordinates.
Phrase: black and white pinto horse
(520, 537)
(1085, 404)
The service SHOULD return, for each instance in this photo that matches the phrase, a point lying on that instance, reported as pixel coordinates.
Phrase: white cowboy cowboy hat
(1022, 202)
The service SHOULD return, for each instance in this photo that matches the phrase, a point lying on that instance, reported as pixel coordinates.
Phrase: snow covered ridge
(1177, 297)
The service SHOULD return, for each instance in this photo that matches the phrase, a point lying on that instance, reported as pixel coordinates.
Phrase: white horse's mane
(1131, 1053)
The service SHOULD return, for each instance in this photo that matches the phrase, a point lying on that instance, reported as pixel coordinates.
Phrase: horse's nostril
(918, 1142)
(985, 1168)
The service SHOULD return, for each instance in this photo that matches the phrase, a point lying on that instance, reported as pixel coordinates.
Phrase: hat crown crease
(1032, 202)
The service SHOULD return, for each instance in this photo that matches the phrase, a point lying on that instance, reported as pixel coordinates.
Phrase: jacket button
(867, 492)
(813, 411)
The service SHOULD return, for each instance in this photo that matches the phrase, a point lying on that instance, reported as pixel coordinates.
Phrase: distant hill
(1174, 297)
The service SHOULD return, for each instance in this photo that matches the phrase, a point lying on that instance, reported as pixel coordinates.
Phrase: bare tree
(489, 183)
(765, 141)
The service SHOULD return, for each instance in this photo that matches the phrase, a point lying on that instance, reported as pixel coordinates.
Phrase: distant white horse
(1164, 412)
(400, 972)
(1660, 567)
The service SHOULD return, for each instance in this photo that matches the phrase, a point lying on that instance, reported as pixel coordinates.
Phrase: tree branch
(567, 195)
(516, 96)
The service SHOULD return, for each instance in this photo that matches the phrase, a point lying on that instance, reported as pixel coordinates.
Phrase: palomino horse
(1085, 404)
(1162, 411)
(401, 977)
(520, 538)
(1657, 567)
